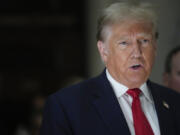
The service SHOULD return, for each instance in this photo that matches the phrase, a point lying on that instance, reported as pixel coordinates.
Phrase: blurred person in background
(35, 117)
(122, 100)
(71, 80)
(171, 75)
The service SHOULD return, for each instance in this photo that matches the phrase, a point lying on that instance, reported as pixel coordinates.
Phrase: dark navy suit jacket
(91, 108)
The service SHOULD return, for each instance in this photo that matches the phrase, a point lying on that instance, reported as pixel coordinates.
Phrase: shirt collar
(120, 89)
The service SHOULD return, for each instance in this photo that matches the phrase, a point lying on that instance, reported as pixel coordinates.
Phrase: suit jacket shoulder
(87, 108)
(165, 93)
(167, 107)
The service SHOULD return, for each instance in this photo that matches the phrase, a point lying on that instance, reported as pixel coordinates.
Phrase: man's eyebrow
(145, 35)
(124, 37)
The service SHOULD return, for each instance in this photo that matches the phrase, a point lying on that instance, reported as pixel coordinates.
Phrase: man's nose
(136, 51)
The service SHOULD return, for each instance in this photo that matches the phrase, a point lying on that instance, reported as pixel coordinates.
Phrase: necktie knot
(134, 93)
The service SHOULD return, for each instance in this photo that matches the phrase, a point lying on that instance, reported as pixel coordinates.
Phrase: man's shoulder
(164, 92)
(83, 89)
(161, 87)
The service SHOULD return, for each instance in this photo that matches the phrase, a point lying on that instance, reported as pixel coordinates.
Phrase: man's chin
(136, 82)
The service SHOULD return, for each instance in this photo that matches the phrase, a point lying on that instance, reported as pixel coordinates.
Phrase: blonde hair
(121, 11)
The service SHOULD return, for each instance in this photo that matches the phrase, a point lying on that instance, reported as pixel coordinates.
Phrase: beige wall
(169, 25)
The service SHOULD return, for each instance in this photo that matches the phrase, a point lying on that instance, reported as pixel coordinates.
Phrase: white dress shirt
(125, 102)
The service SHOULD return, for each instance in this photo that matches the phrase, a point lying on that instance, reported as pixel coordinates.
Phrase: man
(171, 76)
(121, 101)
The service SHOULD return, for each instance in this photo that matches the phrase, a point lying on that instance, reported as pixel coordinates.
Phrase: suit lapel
(163, 110)
(109, 109)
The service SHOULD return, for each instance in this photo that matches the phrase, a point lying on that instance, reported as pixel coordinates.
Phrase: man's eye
(144, 41)
(123, 43)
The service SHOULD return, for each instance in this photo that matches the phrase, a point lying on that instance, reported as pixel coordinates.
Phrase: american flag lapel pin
(165, 104)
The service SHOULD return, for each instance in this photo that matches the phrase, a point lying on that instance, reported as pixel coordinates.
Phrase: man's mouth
(136, 66)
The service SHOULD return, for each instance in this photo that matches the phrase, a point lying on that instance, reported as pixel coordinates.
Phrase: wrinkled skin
(128, 52)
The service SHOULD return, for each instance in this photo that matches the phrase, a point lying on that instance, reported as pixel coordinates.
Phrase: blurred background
(49, 44)
(42, 43)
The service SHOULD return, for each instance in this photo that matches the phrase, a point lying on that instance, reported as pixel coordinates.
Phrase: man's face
(173, 78)
(128, 52)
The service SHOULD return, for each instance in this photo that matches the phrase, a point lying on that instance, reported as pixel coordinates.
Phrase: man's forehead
(139, 35)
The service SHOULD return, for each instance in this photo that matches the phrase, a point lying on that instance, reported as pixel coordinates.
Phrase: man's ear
(102, 50)
(166, 79)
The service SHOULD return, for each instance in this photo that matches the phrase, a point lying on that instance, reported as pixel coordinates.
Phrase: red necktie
(141, 124)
